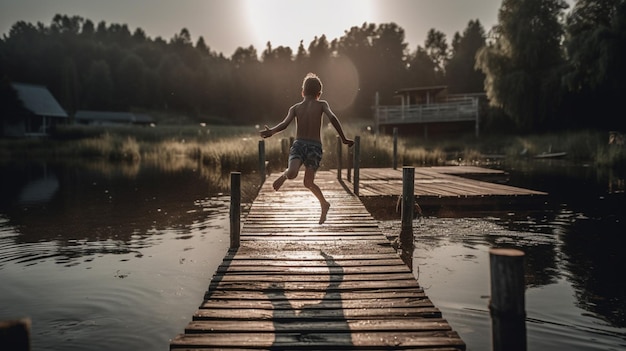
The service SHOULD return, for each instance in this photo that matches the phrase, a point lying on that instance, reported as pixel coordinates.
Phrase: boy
(307, 148)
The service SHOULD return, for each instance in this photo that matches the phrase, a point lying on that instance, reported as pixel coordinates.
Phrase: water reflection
(70, 212)
(573, 237)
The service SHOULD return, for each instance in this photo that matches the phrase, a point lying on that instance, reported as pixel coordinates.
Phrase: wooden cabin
(428, 108)
(42, 112)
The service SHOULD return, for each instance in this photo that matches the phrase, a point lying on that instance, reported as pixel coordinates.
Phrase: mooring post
(350, 159)
(408, 199)
(262, 160)
(339, 143)
(507, 306)
(284, 150)
(395, 147)
(357, 163)
(15, 334)
(235, 209)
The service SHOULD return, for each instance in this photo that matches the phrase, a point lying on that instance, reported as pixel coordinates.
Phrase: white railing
(451, 111)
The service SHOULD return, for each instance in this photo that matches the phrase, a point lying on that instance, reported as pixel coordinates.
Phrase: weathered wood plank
(363, 295)
(313, 314)
(376, 325)
(328, 304)
(324, 341)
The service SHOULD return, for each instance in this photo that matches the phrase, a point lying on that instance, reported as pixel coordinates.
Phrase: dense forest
(544, 66)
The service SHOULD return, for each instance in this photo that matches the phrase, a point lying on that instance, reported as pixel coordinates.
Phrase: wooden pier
(446, 188)
(296, 285)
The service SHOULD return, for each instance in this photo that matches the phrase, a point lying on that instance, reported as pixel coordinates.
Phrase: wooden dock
(296, 285)
(446, 187)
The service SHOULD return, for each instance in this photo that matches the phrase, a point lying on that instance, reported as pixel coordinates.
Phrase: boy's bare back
(308, 114)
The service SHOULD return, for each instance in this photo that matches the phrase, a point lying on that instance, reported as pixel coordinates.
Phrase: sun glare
(287, 22)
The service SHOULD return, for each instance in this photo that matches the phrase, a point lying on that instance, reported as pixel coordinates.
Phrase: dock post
(235, 209)
(395, 147)
(507, 306)
(350, 159)
(339, 160)
(15, 334)
(357, 163)
(408, 199)
(284, 150)
(262, 160)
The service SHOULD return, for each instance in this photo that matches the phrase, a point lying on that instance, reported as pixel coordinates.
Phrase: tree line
(541, 67)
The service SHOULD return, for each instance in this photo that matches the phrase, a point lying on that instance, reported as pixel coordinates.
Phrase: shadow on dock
(285, 314)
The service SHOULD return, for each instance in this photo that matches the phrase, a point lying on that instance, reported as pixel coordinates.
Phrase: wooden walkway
(446, 186)
(297, 285)
(437, 182)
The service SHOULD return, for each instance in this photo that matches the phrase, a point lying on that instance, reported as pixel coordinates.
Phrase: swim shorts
(308, 151)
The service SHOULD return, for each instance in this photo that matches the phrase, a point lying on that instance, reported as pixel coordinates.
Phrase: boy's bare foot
(325, 208)
(279, 182)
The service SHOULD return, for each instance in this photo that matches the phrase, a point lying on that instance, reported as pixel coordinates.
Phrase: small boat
(551, 154)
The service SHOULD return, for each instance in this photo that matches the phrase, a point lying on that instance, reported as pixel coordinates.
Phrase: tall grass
(236, 147)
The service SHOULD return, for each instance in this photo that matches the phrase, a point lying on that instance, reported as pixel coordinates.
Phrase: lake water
(118, 257)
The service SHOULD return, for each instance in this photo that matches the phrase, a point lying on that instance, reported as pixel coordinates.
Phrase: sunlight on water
(451, 263)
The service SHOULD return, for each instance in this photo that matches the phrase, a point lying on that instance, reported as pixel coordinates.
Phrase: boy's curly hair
(312, 85)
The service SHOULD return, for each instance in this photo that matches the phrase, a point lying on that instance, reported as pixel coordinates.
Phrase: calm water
(105, 257)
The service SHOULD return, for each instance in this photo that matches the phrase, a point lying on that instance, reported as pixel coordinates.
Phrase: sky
(226, 25)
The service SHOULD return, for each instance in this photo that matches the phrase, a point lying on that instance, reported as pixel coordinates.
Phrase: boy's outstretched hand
(266, 133)
(349, 142)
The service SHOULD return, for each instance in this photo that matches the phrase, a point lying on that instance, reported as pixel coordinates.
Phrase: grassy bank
(236, 147)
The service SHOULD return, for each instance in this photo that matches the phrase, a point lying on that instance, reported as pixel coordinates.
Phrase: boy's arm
(268, 132)
(335, 122)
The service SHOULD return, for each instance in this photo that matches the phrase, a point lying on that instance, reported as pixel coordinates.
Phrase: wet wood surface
(439, 182)
(294, 284)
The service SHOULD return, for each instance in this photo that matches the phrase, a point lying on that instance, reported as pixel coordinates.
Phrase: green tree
(390, 56)
(421, 69)
(70, 87)
(462, 76)
(437, 49)
(523, 63)
(596, 48)
(99, 86)
(129, 81)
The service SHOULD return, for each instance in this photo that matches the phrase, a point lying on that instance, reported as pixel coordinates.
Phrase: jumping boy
(307, 148)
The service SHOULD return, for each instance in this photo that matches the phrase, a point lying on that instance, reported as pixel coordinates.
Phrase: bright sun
(287, 22)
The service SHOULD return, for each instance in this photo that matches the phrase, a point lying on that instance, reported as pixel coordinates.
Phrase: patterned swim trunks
(308, 151)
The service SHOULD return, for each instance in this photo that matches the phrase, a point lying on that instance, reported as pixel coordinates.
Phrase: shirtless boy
(307, 148)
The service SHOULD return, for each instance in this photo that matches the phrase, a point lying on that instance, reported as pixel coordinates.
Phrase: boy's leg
(290, 173)
(309, 183)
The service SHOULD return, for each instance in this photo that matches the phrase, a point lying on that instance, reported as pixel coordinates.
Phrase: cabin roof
(111, 116)
(39, 100)
(431, 89)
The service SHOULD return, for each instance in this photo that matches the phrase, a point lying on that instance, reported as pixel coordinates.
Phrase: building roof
(39, 100)
(434, 88)
(112, 117)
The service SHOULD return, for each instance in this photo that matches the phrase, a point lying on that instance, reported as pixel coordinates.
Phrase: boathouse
(42, 112)
(429, 110)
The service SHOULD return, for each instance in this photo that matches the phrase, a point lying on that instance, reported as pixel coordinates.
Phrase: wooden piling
(262, 160)
(339, 160)
(284, 150)
(507, 306)
(395, 148)
(408, 199)
(15, 334)
(350, 161)
(235, 209)
(357, 161)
